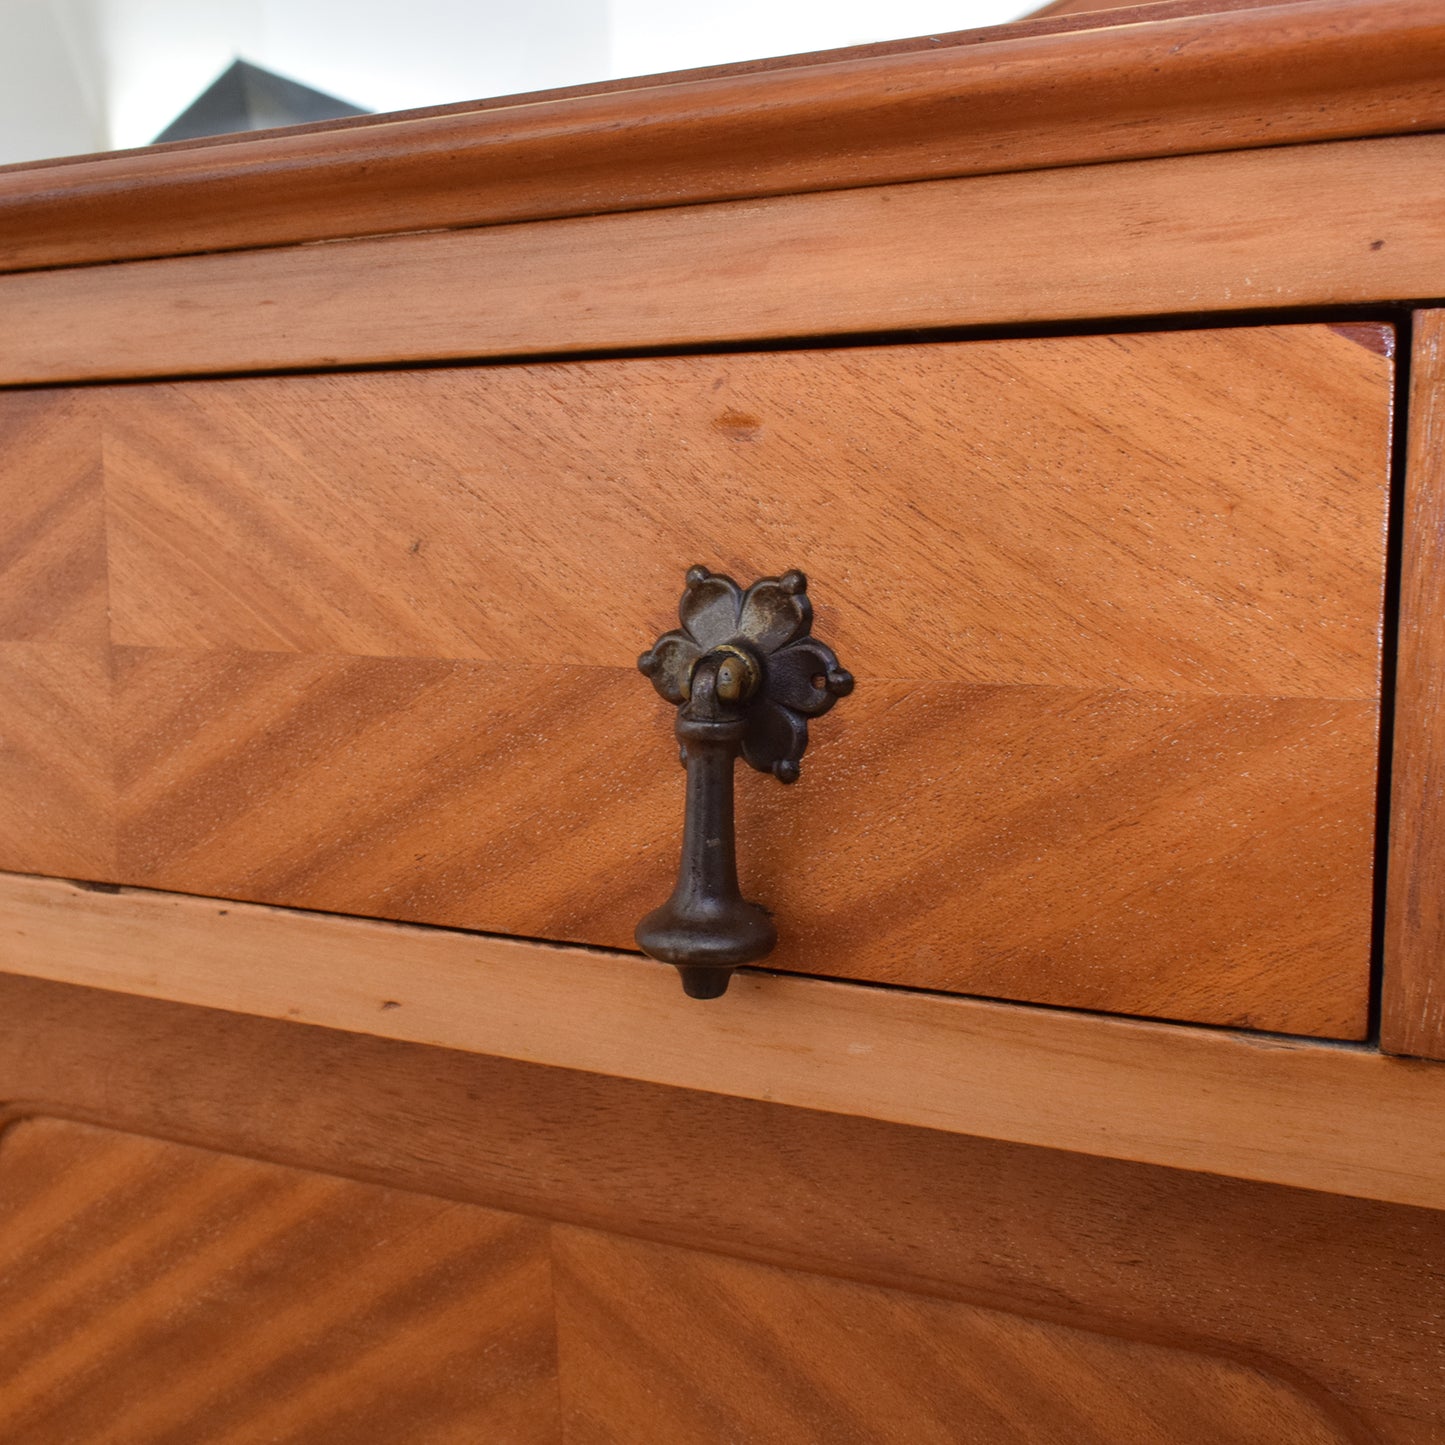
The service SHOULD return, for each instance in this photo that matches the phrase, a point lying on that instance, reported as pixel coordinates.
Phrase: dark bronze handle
(745, 675)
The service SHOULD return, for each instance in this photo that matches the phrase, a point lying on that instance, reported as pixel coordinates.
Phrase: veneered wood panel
(1114, 604)
(1339, 1296)
(661, 1343)
(1228, 1103)
(1208, 233)
(1413, 1020)
(153, 1292)
(52, 523)
(1110, 850)
(57, 793)
(149, 1290)
(57, 799)
(1198, 511)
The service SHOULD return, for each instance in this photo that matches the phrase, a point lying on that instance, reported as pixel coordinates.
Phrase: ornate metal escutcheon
(745, 674)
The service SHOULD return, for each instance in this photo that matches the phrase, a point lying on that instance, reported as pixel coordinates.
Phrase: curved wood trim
(1037, 24)
(1305, 71)
(1336, 1118)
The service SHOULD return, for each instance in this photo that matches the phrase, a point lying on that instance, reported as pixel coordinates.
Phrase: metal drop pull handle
(745, 674)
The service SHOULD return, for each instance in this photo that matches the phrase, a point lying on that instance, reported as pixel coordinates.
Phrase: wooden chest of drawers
(1068, 1107)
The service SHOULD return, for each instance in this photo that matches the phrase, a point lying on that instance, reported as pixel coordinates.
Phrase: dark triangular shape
(246, 97)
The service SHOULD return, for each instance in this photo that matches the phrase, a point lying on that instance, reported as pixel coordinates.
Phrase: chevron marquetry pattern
(152, 1294)
(1187, 512)
(157, 1294)
(477, 795)
(56, 794)
(1114, 604)
(670, 1344)
(52, 519)
(56, 766)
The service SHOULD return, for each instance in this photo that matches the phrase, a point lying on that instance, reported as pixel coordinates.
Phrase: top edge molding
(1152, 81)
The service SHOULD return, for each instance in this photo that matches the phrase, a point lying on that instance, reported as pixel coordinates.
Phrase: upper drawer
(1113, 603)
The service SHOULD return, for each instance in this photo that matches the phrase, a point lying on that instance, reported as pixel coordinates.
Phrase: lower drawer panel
(1031, 843)
(291, 1305)
(661, 1264)
(365, 644)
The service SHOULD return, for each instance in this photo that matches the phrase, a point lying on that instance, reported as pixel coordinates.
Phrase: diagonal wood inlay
(52, 522)
(57, 795)
(669, 1344)
(1038, 843)
(153, 1292)
(1343, 1292)
(1186, 511)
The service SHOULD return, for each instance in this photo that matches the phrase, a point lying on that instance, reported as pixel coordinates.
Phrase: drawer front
(366, 643)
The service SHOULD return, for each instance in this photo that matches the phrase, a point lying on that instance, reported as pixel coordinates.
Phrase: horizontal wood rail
(1343, 1119)
(1208, 233)
(1026, 98)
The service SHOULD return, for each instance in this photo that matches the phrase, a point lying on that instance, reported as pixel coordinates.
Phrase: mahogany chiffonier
(1043, 430)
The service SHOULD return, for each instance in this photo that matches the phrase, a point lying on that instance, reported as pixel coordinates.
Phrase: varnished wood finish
(1332, 1311)
(1195, 512)
(638, 1320)
(889, 1254)
(1201, 858)
(668, 1344)
(1414, 992)
(1050, 25)
(1200, 1099)
(1015, 101)
(56, 754)
(296, 1307)
(1017, 29)
(52, 524)
(155, 1293)
(56, 760)
(1195, 234)
(1114, 742)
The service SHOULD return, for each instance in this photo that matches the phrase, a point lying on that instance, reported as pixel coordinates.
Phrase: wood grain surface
(155, 1293)
(1324, 1307)
(1193, 858)
(1180, 512)
(52, 526)
(57, 767)
(1413, 1020)
(1030, 26)
(1191, 234)
(1016, 99)
(667, 1344)
(152, 1291)
(1204, 1099)
(1113, 602)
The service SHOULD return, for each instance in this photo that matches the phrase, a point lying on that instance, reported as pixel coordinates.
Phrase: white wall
(50, 104)
(83, 75)
(378, 54)
(653, 35)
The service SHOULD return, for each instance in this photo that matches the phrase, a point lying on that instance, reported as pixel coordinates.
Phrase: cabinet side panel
(1414, 997)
